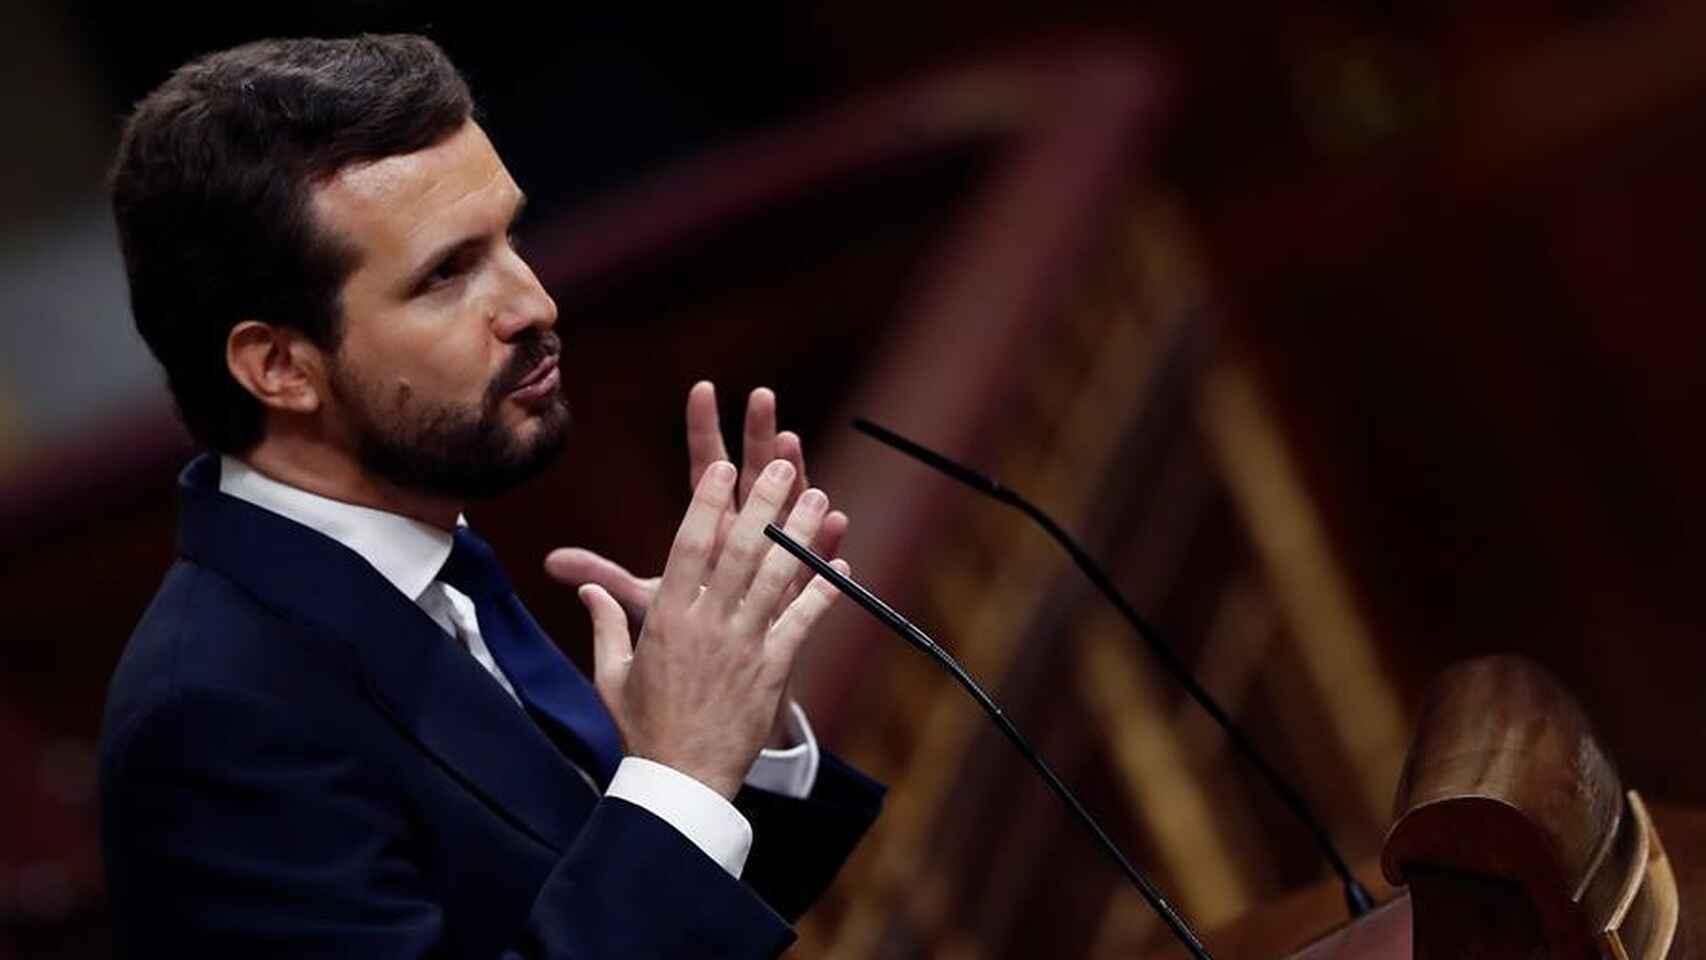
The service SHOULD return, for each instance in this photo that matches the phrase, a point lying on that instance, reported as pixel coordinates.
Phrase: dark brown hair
(211, 192)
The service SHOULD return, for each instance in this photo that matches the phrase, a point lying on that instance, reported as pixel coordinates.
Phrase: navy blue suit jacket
(297, 761)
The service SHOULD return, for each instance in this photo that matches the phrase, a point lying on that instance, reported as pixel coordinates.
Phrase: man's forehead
(394, 198)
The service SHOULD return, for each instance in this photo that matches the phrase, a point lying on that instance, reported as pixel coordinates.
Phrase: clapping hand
(760, 445)
(728, 615)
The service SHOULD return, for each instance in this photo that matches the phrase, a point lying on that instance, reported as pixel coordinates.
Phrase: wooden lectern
(1514, 837)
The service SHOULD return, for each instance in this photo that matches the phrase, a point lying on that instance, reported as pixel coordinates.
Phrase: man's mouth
(539, 383)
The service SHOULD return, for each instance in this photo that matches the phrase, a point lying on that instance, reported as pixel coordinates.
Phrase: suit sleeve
(799, 845)
(230, 830)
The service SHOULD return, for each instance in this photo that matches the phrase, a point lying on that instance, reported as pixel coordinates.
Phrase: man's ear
(277, 365)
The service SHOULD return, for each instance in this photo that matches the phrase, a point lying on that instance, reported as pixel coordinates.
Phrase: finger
(690, 554)
(725, 523)
(574, 566)
(830, 535)
(612, 648)
(779, 570)
(746, 544)
(704, 431)
(827, 545)
(789, 448)
(758, 438)
(795, 623)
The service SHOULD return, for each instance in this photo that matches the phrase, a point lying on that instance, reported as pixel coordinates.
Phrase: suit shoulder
(204, 632)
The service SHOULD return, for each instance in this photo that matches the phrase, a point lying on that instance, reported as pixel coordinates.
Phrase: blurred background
(1355, 338)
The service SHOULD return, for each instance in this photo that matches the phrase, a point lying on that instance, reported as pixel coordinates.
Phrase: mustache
(529, 353)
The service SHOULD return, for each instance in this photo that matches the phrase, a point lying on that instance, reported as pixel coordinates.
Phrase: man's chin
(471, 461)
(535, 444)
(536, 428)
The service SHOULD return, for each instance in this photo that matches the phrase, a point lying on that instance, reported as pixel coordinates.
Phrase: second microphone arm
(918, 638)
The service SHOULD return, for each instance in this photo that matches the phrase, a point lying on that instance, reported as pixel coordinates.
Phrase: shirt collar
(406, 552)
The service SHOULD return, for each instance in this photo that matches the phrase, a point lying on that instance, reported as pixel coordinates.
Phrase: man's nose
(526, 303)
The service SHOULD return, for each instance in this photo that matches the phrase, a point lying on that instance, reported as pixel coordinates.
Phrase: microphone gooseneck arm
(918, 638)
(1357, 898)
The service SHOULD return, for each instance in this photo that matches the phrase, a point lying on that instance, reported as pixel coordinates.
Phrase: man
(336, 730)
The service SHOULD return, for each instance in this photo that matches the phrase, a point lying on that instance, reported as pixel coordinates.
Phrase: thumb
(612, 648)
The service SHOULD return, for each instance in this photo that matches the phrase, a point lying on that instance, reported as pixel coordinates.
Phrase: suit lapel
(430, 686)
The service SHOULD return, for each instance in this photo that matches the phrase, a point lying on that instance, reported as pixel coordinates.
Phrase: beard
(445, 449)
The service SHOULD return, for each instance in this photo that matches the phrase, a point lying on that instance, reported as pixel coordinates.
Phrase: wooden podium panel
(1514, 839)
(1311, 923)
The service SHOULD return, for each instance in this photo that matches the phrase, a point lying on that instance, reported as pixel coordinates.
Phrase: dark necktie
(545, 681)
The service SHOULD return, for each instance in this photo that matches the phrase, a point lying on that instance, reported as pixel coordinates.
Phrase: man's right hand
(761, 443)
(701, 691)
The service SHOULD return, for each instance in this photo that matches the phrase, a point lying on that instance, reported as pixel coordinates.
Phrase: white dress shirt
(409, 554)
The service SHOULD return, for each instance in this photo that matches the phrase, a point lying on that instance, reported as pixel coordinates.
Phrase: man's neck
(331, 473)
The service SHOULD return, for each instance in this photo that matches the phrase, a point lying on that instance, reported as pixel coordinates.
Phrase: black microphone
(1357, 897)
(930, 648)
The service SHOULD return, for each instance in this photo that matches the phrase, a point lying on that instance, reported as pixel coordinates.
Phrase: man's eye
(444, 273)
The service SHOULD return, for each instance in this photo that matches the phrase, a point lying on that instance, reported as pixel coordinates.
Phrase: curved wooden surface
(1513, 831)
(1505, 811)
(1514, 839)
(1504, 778)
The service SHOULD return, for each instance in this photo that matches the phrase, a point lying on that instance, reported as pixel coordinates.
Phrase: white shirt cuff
(708, 821)
(791, 772)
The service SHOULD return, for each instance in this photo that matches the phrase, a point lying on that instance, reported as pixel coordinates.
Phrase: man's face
(445, 381)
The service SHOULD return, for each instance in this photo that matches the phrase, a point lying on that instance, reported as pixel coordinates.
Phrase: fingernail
(779, 470)
(722, 471)
(813, 499)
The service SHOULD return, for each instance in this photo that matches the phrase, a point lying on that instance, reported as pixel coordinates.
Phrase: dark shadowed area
(1355, 339)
